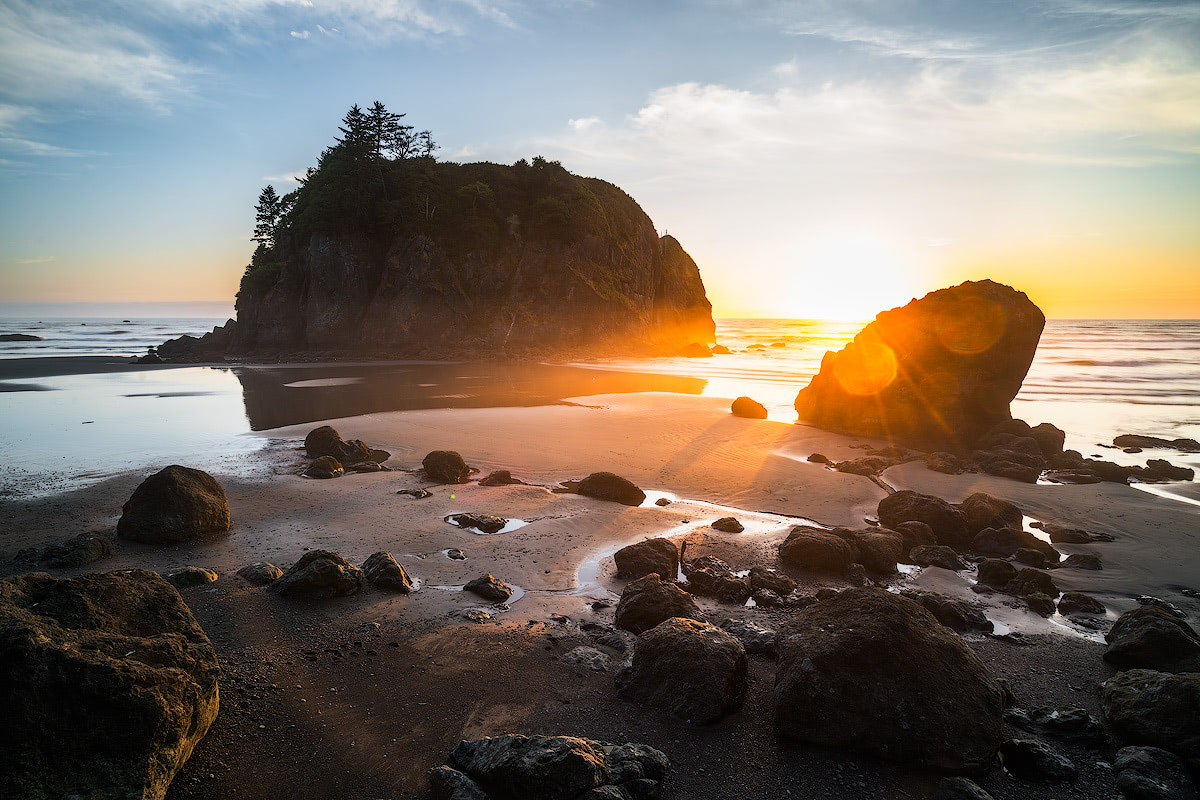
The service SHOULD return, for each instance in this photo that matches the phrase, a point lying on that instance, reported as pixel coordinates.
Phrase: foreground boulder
(319, 574)
(650, 600)
(1151, 773)
(107, 685)
(516, 767)
(1149, 637)
(876, 672)
(659, 556)
(608, 486)
(937, 373)
(445, 466)
(691, 669)
(749, 408)
(1156, 708)
(817, 550)
(174, 504)
(384, 572)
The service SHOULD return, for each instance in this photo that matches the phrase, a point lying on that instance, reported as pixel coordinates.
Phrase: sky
(817, 159)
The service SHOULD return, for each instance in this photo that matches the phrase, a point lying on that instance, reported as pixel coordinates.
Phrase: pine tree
(356, 133)
(389, 138)
(425, 145)
(266, 215)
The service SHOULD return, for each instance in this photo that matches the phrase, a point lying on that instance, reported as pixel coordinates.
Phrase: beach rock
(107, 682)
(817, 550)
(19, 337)
(1029, 580)
(1031, 760)
(173, 505)
(1081, 561)
(936, 556)
(728, 525)
(1031, 558)
(719, 583)
(323, 441)
(765, 598)
(877, 672)
(588, 657)
(187, 577)
(384, 572)
(1161, 470)
(948, 523)
(1062, 535)
(878, 550)
(692, 669)
(1040, 603)
(946, 463)
(1149, 637)
(1170, 608)
(982, 511)
(937, 373)
(772, 580)
(324, 467)
(1156, 708)
(1076, 603)
(1138, 440)
(996, 573)
(260, 573)
(866, 466)
(445, 466)
(915, 534)
(751, 409)
(955, 614)
(754, 637)
(720, 350)
(607, 486)
(1151, 773)
(1050, 438)
(79, 550)
(416, 494)
(319, 574)
(518, 767)
(454, 554)
(819, 458)
(484, 523)
(959, 788)
(1070, 724)
(500, 477)
(649, 600)
(1005, 542)
(652, 555)
(662, 502)
(489, 588)
(1009, 464)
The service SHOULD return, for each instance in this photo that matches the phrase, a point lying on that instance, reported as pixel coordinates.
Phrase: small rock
(1030, 557)
(1079, 603)
(1029, 581)
(728, 525)
(819, 458)
(384, 572)
(588, 657)
(445, 466)
(936, 556)
(1040, 603)
(608, 486)
(260, 573)
(175, 504)
(485, 523)
(455, 554)
(186, 577)
(84, 548)
(489, 588)
(772, 579)
(1031, 760)
(1081, 561)
(996, 573)
(324, 467)
(662, 501)
(500, 477)
(751, 409)
(319, 574)
(755, 638)
(416, 494)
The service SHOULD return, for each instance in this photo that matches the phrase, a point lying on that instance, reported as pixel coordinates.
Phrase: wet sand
(357, 697)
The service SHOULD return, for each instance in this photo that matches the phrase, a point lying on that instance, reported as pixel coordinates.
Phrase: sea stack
(936, 373)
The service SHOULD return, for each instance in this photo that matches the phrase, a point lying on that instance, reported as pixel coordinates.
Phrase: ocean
(1095, 379)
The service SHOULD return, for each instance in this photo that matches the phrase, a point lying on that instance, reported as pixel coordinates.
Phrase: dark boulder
(1005, 542)
(659, 556)
(1151, 773)
(1049, 438)
(721, 584)
(517, 767)
(484, 523)
(174, 504)
(500, 477)
(19, 337)
(1156, 708)
(317, 575)
(754, 637)
(948, 523)
(817, 550)
(1148, 637)
(996, 573)
(1069, 724)
(915, 534)
(1081, 561)
(878, 550)
(946, 463)
(1028, 581)
(260, 573)
(728, 525)
(1032, 760)
(79, 550)
(489, 588)
(691, 669)
(107, 685)
(771, 579)
(324, 467)
(1077, 603)
(751, 409)
(877, 672)
(1040, 603)
(187, 577)
(955, 614)
(607, 486)
(1031, 558)
(984, 511)
(937, 373)
(936, 556)
(383, 571)
(1139, 440)
(650, 600)
(325, 441)
(445, 466)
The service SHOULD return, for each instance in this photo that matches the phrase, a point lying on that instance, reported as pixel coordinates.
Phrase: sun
(850, 277)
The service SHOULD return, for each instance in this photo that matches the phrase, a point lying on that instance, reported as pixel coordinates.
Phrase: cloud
(584, 123)
(301, 34)
(286, 177)
(40, 260)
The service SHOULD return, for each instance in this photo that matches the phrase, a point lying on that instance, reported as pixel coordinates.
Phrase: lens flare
(866, 366)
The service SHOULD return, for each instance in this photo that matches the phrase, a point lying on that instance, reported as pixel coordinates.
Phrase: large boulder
(817, 550)
(174, 504)
(1156, 708)
(879, 549)
(1149, 637)
(608, 486)
(384, 572)
(660, 556)
(445, 466)
(937, 373)
(107, 684)
(870, 670)
(517, 767)
(694, 670)
(650, 600)
(984, 511)
(317, 575)
(947, 521)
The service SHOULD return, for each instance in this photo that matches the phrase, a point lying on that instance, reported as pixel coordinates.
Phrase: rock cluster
(319, 574)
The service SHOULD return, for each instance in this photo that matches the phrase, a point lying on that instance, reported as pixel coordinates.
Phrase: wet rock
(587, 657)
(984, 511)
(876, 672)
(948, 523)
(728, 525)
(79, 550)
(936, 556)
(367, 466)
(662, 501)
(719, 583)
(1156, 708)
(108, 685)
(650, 600)
(1151, 773)
(384, 572)
(1074, 603)
(755, 638)
(692, 669)
(1031, 760)
(1139, 440)
(608, 636)
(1028, 581)
(996, 573)
(772, 579)
(1081, 561)
(324, 467)
(1070, 724)
(1040, 603)
(959, 788)
(607, 486)
(500, 477)
(318, 574)
(652, 555)
(187, 577)
(454, 554)
(877, 549)
(485, 523)
(1031, 558)
(765, 598)
(326, 441)
(19, 337)
(489, 588)
(955, 614)
(1170, 608)
(751, 409)
(938, 372)
(915, 534)
(445, 466)
(1005, 542)
(946, 463)
(416, 494)
(1161, 470)
(260, 573)
(1062, 535)
(817, 550)
(173, 505)
(1149, 637)
(866, 466)
(517, 767)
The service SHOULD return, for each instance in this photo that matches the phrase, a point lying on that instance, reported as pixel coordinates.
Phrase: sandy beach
(358, 697)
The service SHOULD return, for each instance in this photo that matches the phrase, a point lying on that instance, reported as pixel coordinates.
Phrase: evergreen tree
(389, 138)
(356, 140)
(425, 145)
(266, 215)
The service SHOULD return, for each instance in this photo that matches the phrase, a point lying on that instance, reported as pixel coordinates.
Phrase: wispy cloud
(39, 260)
(301, 34)
(286, 177)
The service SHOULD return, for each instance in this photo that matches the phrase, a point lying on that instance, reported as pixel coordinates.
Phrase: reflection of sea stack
(937, 372)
